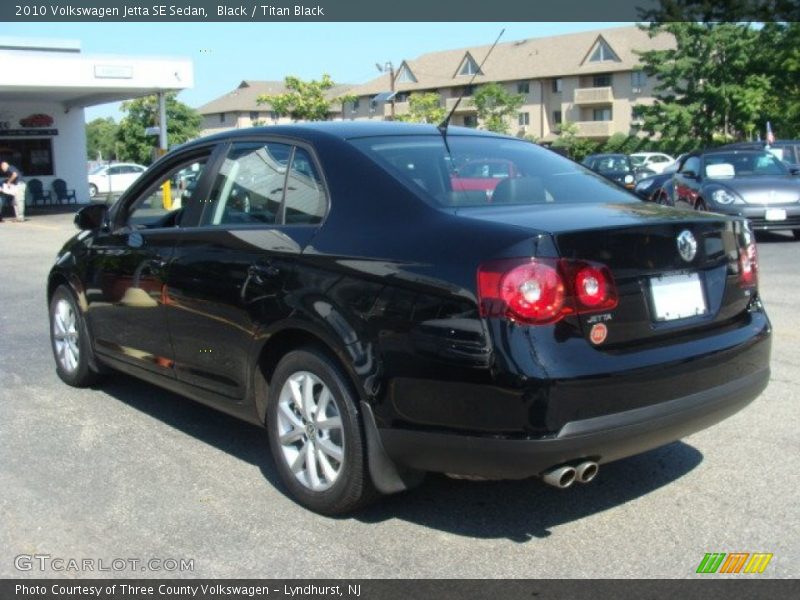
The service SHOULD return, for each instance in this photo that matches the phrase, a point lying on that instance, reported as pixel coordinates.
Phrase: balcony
(598, 95)
(465, 106)
(595, 129)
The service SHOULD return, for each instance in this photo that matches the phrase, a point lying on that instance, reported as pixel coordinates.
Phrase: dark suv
(330, 283)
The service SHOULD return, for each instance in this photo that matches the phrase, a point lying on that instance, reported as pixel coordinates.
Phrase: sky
(226, 53)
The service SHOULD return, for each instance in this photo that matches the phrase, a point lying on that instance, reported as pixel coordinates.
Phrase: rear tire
(796, 233)
(69, 339)
(315, 434)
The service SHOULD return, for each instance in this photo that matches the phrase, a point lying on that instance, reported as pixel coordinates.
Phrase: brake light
(748, 266)
(541, 291)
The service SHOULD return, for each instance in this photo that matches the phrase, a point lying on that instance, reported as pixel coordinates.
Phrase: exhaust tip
(560, 477)
(586, 471)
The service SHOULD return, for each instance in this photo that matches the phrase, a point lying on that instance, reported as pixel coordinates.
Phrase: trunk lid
(661, 293)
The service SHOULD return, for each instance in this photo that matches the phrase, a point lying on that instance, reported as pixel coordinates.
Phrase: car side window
(305, 201)
(249, 185)
(161, 205)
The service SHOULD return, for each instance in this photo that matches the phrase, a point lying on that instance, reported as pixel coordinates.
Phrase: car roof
(343, 130)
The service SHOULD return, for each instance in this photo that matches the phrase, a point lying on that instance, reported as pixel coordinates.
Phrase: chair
(37, 193)
(62, 193)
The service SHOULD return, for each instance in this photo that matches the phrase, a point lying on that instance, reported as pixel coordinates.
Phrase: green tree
(494, 103)
(778, 54)
(183, 124)
(101, 138)
(302, 100)
(707, 87)
(576, 147)
(424, 108)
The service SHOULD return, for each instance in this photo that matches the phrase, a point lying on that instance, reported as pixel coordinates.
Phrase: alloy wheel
(65, 336)
(310, 431)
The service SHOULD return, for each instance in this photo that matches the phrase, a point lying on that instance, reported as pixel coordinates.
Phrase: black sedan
(326, 281)
(616, 167)
(747, 183)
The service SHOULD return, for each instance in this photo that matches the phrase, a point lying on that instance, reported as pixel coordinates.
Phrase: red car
(482, 175)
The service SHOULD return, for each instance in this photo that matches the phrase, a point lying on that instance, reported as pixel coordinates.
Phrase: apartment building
(590, 78)
(240, 107)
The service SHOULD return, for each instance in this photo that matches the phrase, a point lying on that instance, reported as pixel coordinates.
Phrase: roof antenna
(444, 124)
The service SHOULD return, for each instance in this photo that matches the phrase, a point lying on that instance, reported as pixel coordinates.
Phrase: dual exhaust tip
(564, 476)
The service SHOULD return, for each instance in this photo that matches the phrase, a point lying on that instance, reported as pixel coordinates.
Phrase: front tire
(69, 340)
(315, 434)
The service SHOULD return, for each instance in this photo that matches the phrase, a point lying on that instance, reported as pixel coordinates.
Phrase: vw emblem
(687, 245)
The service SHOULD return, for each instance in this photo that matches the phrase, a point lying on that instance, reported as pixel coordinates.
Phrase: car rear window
(487, 171)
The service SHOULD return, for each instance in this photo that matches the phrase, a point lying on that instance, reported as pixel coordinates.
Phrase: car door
(128, 264)
(229, 273)
(687, 181)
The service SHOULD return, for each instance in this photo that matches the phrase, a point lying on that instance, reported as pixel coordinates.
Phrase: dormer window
(404, 75)
(602, 52)
(469, 66)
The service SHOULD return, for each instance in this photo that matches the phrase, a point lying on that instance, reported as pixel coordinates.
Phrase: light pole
(389, 67)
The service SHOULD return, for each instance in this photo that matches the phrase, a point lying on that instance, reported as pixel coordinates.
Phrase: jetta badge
(687, 245)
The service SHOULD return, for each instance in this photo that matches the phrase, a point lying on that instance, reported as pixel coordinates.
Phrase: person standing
(14, 187)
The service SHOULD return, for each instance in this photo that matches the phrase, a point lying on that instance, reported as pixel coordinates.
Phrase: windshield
(611, 164)
(637, 160)
(743, 164)
(487, 171)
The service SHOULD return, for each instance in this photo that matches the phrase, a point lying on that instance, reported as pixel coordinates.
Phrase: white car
(114, 178)
(655, 161)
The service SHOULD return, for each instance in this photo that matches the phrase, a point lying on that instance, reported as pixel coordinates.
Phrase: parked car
(749, 183)
(786, 150)
(326, 282)
(482, 175)
(657, 187)
(114, 178)
(616, 167)
(654, 161)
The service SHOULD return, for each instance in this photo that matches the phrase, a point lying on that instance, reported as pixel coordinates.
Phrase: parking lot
(127, 470)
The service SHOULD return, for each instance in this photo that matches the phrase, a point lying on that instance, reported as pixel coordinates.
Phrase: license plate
(677, 296)
(775, 214)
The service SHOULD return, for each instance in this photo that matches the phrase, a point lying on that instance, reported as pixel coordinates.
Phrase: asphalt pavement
(129, 471)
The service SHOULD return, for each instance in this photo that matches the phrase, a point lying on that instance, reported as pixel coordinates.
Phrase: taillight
(543, 290)
(748, 265)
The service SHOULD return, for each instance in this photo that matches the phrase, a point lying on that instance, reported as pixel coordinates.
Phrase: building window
(558, 85)
(601, 114)
(557, 117)
(469, 66)
(469, 90)
(221, 117)
(470, 121)
(523, 87)
(638, 80)
(405, 75)
(524, 118)
(356, 104)
(253, 116)
(602, 52)
(401, 97)
(601, 80)
(273, 115)
(32, 156)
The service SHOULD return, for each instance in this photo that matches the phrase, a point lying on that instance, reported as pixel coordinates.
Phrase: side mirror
(794, 170)
(91, 217)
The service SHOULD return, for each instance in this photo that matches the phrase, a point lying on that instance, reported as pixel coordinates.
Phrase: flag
(770, 135)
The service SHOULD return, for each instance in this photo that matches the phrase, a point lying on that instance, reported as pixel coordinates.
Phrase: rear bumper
(603, 439)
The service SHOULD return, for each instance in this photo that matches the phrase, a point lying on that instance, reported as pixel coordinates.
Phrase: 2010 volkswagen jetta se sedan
(330, 283)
